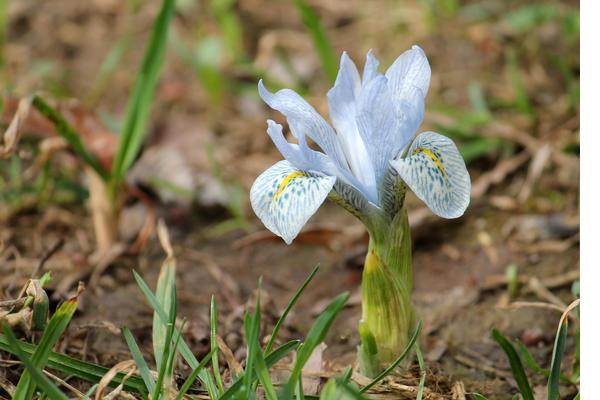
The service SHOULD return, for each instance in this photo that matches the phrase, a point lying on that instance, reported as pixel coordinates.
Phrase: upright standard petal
(284, 198)
(408, 82)
(342, 98)
(436, 172)
(370, 70)
(379, 125)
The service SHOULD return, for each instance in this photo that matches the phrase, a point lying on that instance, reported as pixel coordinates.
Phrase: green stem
(388, 318)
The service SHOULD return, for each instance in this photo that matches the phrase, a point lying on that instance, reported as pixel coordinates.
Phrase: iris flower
(365, 162)
(368, 159)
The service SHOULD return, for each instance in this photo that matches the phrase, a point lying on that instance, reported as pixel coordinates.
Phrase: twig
(53, 250)
(543, 293)
(494, 282)
(65, 384)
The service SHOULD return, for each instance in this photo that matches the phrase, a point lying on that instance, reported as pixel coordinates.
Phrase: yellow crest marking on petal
(286, 181)
(435, 159)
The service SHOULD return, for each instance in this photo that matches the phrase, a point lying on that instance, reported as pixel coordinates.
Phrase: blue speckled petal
(436, 172)
(284, 198)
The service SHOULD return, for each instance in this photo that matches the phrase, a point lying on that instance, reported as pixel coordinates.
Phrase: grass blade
(557, 355)
(314, 337)
(37, 377)
(57, 325)
(287, 309)
(423, 372)
(213, 344)
(270, 360)
(164, 284)
(193, 375)
(163, 383)
(351, 391)
(515, 365)
(402, 356)
(139, 360)
(72, 366)
(140, 101)
(183, 348)
(252, 331)
(319, 37)
(64, 129)
(263, 373)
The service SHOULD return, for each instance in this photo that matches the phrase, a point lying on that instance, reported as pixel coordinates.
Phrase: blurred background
(505, 87)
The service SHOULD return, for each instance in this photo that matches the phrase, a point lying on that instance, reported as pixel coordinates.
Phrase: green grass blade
(319, 37)
(164, 284)
(252, 331)
(213, 344)
(108, 67)
(169, 352)
(329, 391)
(557, 355)
(192, 377)
(270, 360)
(183, 348)
(397, 362)
(315, 336)
(346, 374)
(64, 129)
(139, 360)
(351, 391)
(522, 102)
(263, 373)
(140, 101)
(287, 310)
(34, 371)
(515, 365)
(477, 396)
(80, 369)
(57, 325)
(89, 392)
(423, 372)
(299, 391)
(535, 367)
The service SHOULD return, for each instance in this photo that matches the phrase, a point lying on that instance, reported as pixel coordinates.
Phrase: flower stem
(388, 316)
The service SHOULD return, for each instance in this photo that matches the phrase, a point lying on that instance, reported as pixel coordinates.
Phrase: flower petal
(300, 156)
(284, 198)
(379, 125)
(436, 173)
(370, 70)
(304, 120)
(342, 98)
(408, 82)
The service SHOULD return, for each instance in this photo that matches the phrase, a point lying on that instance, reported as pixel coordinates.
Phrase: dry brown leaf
(11, 136)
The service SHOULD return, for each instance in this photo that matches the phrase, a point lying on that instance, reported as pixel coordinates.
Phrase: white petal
(408, 81)
(370, 69)
(304, 120)
(284, 198)
(436, 173)
(379, 125)
(342, 99)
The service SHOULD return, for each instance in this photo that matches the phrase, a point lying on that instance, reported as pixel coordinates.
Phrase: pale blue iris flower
(367, 161)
